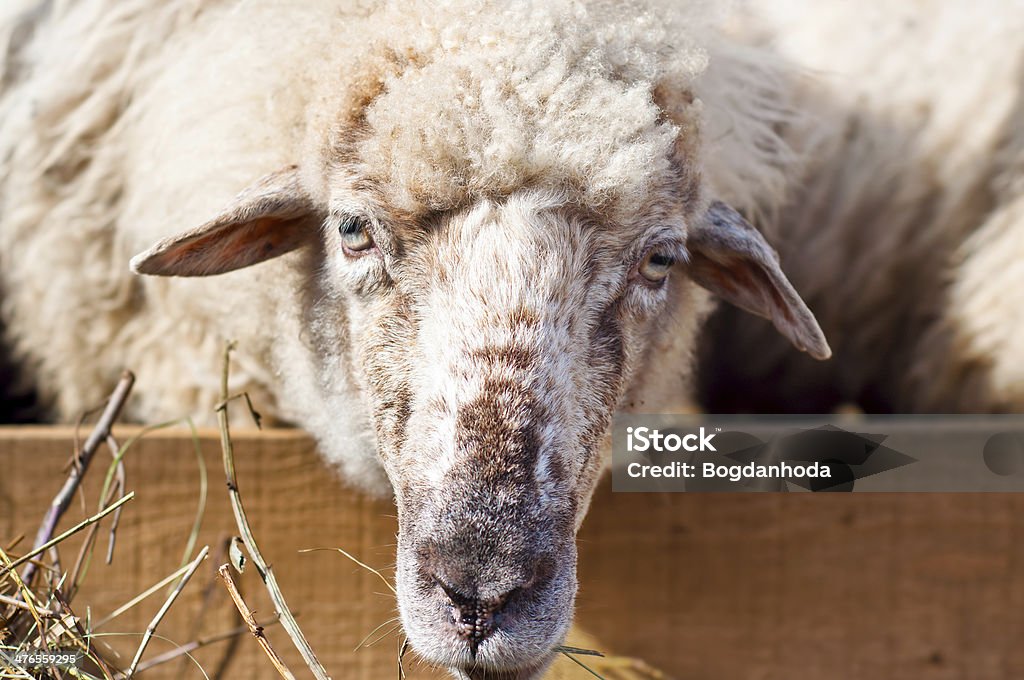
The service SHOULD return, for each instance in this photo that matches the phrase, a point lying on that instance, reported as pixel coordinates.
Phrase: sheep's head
(493, 344)
(493, 293)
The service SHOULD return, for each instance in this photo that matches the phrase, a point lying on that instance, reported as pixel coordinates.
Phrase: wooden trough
(702, 586)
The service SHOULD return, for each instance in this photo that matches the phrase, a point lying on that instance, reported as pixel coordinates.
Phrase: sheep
(480, 230)
(905, 232)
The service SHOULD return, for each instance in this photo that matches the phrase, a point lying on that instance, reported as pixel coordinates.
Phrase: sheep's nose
(475, 618)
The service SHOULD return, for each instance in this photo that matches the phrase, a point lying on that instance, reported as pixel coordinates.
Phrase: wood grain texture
(703, 586)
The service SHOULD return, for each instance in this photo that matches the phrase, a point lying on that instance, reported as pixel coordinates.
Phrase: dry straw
(36, 613)
(36, 605)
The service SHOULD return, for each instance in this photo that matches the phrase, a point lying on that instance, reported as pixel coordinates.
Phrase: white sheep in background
(490, 219)
(906, 232)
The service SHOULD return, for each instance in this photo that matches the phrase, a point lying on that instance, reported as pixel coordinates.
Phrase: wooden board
(708, 586)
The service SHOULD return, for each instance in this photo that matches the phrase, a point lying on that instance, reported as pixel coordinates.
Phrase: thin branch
(82, 639)
(189, 647)
(209, 592)
(22, 587)
(63, 498)
(250, 621)
(265, 572)
(86, 549)
(253, 413)
(54, 555)
(15, 602)
(73, 530)
(151, 628)
(108, 480)
(118, 489)
(84, 552)
(110, 484)
(139, 598)
(197, 523)
(156, 636)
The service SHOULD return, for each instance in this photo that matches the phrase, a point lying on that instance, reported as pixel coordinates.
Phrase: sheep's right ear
(271, 217)
(731, 259)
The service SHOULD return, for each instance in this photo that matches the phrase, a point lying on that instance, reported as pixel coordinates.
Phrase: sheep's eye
(656, 265)
(354, 235)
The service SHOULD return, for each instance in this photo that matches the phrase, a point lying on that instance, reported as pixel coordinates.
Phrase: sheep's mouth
(527, 672)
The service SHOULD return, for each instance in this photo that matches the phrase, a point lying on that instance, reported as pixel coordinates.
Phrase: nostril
(475, 618)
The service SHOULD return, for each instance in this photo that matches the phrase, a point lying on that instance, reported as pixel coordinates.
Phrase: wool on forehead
(487, 98)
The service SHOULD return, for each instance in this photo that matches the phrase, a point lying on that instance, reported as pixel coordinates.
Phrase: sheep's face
(493, 344)
(490, 345)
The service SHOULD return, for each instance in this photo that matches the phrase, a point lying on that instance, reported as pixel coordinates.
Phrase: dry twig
(63, 498)
(82, 639)
(139, 598)
(264, 569)
(73, 530)
(151, 628)
(250, 621)
(210, 590)
(186, 649)
(118, 489)
(15, 602)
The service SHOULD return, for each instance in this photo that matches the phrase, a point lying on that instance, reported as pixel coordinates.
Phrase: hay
(36, 613)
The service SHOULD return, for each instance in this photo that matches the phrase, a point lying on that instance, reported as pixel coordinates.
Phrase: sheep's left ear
(731, 259)
(273, 216)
